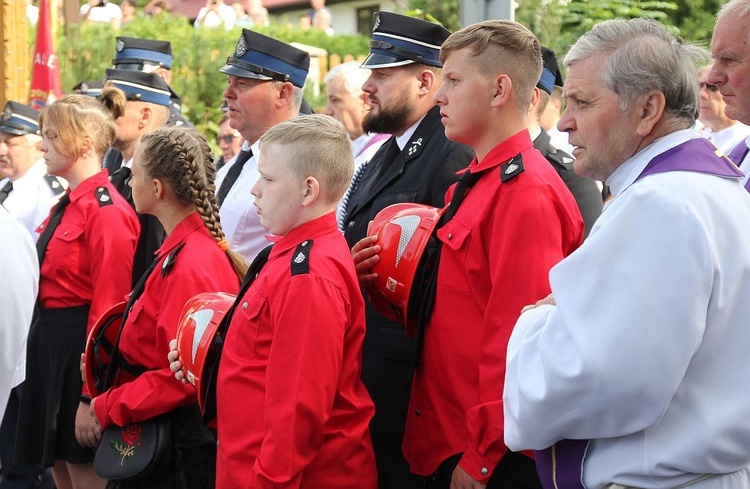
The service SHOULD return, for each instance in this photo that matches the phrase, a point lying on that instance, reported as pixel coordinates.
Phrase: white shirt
(727, 138)
(19, 282)
(106, 13)
(33, 197)
(209, 18)
(560, 140)
(240, 221)
(646, 351)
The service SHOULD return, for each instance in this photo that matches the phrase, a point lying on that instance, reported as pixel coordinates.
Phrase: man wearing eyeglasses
(724, 132)
(228, 140)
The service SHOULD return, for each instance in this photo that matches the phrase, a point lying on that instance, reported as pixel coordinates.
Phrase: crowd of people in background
(577, 315)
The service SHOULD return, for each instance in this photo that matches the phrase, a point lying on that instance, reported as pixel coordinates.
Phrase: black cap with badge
(551, 76)
(19, 119)
(265, 58)
(133, 53)
(399, 40)
(140, 86)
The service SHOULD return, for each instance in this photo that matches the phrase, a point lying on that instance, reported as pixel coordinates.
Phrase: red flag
(45, 81)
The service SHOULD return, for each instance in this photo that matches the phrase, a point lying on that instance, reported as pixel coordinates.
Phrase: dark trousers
(393, 469)
(13, 476)
(514, 471)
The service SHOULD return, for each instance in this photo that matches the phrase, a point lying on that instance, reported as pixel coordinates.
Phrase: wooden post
(15, 58)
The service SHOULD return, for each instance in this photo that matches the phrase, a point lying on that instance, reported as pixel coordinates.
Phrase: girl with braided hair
(173, 180)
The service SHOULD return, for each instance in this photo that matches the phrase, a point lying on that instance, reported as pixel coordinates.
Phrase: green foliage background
(88, 49)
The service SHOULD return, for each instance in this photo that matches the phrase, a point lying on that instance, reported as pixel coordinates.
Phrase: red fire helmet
(198, 324)
(404, 232)
(99, 344)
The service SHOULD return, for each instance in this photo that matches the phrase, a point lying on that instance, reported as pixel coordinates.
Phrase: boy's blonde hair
(317, 146)
(501, 46)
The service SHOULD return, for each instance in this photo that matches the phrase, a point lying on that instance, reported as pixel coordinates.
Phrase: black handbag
(136, 450)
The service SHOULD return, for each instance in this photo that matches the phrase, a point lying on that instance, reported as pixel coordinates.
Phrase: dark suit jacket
(421, 173)
(585, 191)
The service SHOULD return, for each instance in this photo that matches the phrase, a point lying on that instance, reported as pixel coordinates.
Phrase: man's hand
(549, 300)
(174, 362)
(87, 429)
(462, 480)
(365, 256)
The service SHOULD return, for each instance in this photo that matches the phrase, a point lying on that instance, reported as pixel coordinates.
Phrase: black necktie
(232, 175)
(465, 182)
(54, 221)
(376, 168)
(391, 153)
(120, 179)
(5, 191)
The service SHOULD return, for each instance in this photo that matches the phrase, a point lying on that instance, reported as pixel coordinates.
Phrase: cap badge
(377, 23)
(241, 47)
(7, 114)
(120, 46)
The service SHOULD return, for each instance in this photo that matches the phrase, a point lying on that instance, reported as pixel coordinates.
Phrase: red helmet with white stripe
(199, 321)
(407, 257)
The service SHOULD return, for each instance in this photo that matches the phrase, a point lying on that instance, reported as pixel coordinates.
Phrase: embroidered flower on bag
(130, 435)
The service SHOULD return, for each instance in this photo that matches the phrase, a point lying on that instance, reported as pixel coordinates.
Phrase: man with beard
(417, 164)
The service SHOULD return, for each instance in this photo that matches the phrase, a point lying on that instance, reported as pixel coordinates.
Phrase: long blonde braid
(181, 157)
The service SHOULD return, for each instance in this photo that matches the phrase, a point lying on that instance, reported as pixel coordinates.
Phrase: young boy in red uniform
(292, 410)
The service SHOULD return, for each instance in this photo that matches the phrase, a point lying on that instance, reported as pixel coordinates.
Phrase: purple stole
(561, 465)
(738, 154)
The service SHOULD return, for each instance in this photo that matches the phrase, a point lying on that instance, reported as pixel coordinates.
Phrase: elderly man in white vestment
(634, 372)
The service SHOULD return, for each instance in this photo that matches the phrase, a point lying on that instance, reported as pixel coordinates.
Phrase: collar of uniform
(31, 178)
(308, 230)
(625, 174)
(89, 185)
(187, 226)
(504, 151)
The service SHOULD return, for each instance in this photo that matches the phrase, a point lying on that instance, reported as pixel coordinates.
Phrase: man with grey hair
(348, 104)
(731, 71)
(622, 377)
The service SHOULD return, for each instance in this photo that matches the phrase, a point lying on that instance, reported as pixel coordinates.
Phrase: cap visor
(15, 131)
(376, 60)
(240, 73)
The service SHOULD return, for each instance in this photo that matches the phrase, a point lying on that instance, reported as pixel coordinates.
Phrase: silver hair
(354, 76)
(641, 56)
(738, 7)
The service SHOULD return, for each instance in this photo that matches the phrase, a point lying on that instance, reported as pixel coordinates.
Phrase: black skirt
(52, 390)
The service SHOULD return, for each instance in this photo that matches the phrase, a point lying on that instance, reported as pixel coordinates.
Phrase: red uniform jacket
(496, 256)
(199, 266)
(90, 254)
(292, 409)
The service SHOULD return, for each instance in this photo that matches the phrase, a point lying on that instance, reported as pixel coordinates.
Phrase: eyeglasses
(709, 87)
(227, 138)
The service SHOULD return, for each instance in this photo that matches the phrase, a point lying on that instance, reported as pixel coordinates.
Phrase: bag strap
(117, 361)
(217, 344)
